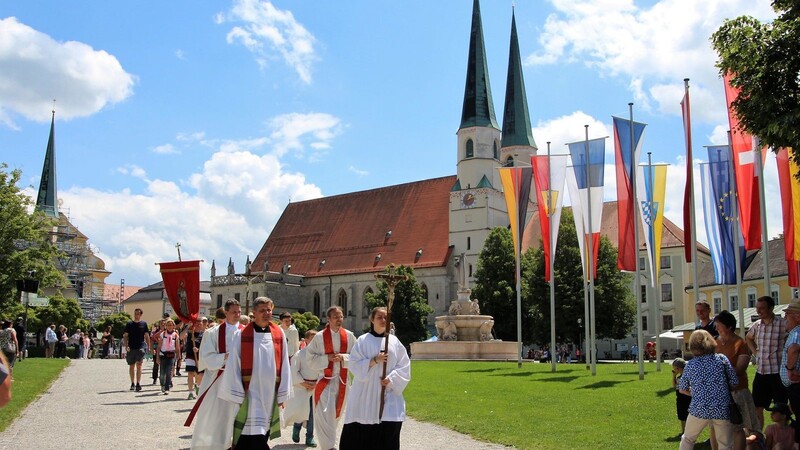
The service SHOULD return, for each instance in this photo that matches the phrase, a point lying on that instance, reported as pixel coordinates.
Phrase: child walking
(682, 401)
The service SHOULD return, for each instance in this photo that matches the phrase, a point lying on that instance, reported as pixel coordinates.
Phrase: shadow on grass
(603, 384)
(559, 379)
(495, 369)
(678, 439)
(665, 392)
(514, 374)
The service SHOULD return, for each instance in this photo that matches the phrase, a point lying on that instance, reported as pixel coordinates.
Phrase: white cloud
(357, 171)
(226, 209)
(180, 54)
(268, 30)
(35, 69)
(656, 47)
(165, 149)
(566, 129)
(291, 130)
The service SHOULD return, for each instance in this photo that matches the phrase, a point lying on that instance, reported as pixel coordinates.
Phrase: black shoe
(133, 386)
(154, 381)
(138, 387)
(177, 374)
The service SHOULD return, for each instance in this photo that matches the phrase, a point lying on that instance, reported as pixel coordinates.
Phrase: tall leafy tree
(24, 243)
(116, 321)
(62, 311)
(764, 60)
(304, 322)
(495, 285)
(410, 308)
(614, 304)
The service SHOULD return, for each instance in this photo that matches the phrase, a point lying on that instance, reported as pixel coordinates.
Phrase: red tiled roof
(349, 230)
(672, 235)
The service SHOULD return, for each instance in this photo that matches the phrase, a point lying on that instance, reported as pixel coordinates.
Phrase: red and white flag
(548, 177)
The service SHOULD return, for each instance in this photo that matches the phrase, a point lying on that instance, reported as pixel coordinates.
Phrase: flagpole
(636, 223)
(692, 218)
(759, 169)
(656, 291)
(736, 256)
(591, 256)
(519, 302)
(550, 211)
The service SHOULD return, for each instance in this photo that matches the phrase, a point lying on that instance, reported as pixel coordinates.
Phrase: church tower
(47, 200)
(476, 205)
(517, 145)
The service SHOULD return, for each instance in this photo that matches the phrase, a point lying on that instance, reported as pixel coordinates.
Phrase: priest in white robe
(298, 408)
(328, 353)
(214, 417)
(364, 427)
(257, 375)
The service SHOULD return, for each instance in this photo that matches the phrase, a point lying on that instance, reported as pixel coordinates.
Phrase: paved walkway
(90, 407)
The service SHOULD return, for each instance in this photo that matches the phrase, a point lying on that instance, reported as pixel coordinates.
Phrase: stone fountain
(464, 333)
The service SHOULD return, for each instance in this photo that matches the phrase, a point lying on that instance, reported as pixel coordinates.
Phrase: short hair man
(328, 354)
(136, 341)
(292, 335)
(766, 339)
(50, 339)
(705, 322)
(257, 370)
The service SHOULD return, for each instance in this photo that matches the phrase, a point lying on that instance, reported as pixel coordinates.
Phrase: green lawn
(534, 408)
(32, 377)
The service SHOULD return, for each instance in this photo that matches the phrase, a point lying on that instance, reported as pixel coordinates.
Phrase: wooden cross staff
(391, 279)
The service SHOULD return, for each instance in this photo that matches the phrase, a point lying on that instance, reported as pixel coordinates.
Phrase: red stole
(248, 339)
(327, 340)
(221, 346)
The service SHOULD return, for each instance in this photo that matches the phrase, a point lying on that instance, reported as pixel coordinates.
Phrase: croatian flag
(548, 176)
(790, 199)
(588, 160)
(627, 156)
(651, 185)
(718, 197)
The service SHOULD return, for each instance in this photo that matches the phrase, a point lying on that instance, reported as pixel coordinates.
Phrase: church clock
(468, 200)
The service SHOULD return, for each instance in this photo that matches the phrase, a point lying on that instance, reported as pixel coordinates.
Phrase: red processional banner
(182, 285)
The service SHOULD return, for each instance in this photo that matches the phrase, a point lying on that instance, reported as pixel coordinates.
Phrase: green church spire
(47, 201)
(478, 109)
(516, 120)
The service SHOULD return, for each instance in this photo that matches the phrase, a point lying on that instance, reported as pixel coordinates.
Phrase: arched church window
(494, 150)
(342, 301)
(509, 162)
(470, 148)
(316, 304)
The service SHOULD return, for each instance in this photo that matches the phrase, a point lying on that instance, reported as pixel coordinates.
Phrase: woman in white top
(169, 346)
(363, 426)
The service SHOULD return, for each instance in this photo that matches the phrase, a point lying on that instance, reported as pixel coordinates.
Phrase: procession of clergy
(256, 375)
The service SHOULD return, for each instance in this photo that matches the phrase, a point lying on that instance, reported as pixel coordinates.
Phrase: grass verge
(32, 377)
(534, 408)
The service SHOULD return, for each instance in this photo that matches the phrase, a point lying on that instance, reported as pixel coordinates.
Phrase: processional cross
(391, 278)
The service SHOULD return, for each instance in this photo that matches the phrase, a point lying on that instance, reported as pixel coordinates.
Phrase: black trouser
(252, 442)
(793, 392)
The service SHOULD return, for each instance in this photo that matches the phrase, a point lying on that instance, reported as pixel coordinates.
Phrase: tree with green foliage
(496, 287)
(62, 311)
(410, 308)
(117, 322)
(615, 306)
(24, 240)
(764, 61)
(304, 322)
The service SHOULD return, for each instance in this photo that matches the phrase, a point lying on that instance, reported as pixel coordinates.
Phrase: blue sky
(197, 122)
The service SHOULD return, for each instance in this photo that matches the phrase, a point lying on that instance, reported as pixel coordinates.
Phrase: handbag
(734, 415)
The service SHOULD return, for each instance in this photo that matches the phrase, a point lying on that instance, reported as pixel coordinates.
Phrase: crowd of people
(250, 376)
(713, 390)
